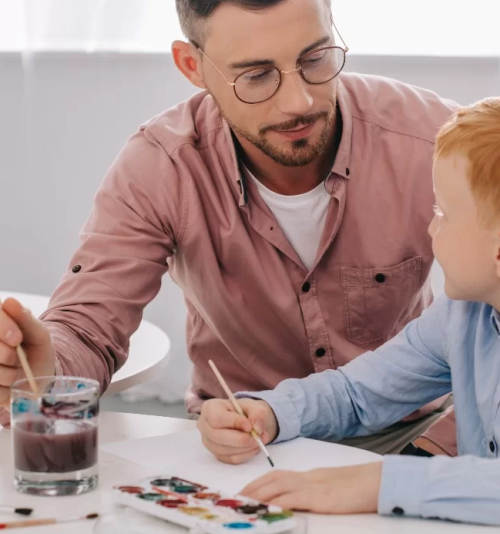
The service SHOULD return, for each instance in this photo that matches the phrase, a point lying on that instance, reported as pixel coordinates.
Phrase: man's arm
(135, 225)
(441, 437)
(373, 391)
(132, 230)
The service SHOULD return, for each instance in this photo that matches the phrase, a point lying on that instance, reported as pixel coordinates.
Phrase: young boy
(455, 344)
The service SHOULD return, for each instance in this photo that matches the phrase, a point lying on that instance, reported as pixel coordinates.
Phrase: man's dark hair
(194, 13)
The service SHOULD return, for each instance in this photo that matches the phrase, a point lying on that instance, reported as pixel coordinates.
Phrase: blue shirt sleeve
(463, 489)
(373, 391)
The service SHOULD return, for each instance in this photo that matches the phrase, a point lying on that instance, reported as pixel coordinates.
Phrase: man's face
(462, 244)
(293, 127)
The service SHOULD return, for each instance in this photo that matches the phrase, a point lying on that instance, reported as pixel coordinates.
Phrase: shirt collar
(495, 320)
(342, 163)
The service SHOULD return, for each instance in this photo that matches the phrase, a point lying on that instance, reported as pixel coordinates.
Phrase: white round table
(115, 471)
(149, 347)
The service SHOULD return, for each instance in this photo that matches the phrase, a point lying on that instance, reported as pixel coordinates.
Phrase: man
(289, 202)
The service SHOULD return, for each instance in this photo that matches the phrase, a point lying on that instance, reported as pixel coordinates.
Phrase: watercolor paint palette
(193, 505)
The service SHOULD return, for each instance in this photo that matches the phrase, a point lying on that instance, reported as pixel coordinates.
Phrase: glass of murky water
(55, 435)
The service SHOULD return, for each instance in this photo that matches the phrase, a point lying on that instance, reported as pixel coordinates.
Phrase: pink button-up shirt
(176, 199)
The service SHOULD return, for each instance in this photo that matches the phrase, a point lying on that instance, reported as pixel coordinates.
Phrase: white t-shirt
(301, 218)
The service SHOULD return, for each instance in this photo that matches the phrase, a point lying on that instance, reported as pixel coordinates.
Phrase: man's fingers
(32, 331)
(10, 333)
(4, 397)
(8, 375)
(8, 356)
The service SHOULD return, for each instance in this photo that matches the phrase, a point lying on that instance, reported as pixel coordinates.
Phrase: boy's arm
(460, 489)
(372, 392)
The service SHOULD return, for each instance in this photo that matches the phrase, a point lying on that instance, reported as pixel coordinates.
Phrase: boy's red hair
(474, 132)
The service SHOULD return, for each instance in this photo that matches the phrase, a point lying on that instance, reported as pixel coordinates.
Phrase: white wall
(65, 116)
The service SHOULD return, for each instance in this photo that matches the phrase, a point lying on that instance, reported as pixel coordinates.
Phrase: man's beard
(302, 151)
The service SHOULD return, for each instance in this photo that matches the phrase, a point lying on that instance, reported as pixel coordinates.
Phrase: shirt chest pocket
(377, 300)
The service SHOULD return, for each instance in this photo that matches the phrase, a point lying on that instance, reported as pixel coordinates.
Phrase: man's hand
(429, 446)
(226, 434)
(18, 326)
(345, 490)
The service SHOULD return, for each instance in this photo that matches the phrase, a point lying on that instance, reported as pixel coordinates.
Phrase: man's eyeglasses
(259, 84)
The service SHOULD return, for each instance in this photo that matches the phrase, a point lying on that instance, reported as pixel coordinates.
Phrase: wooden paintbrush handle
(28, 523)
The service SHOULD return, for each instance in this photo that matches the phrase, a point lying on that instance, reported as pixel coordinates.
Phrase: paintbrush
(12, 510)
(26, 367)
(237, 407)
(48, 521)
(27, 370)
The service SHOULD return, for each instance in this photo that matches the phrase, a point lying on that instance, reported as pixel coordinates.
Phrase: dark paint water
(45, 446)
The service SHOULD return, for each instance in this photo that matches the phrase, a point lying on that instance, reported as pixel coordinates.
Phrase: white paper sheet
(184, 455)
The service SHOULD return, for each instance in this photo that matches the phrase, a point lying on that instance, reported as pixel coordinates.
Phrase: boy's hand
(344, 490)
(226, 434)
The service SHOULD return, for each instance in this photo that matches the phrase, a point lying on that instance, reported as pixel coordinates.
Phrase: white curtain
(88, 25)
(386, 27)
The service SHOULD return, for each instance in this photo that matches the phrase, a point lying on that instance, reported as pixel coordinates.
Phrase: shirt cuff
(288, 422)
(402, 488)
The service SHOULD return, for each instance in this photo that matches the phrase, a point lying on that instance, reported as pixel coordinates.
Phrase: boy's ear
(497, 252)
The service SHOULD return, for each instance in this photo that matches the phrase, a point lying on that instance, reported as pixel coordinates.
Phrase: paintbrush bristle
(270, 461)
(92, 516)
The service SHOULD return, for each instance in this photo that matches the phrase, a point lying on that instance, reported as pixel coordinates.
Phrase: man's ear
(187, 60)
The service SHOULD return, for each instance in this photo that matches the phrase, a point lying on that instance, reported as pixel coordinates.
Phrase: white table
(115, 471)
(149, 347)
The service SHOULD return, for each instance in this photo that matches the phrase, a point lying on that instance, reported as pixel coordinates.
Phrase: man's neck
(291, 180)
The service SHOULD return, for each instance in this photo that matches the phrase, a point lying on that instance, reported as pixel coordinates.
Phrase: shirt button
(306, 287)
(492, 446)
(77, 268)
(398, 511)
(320, 352)
(380, 278)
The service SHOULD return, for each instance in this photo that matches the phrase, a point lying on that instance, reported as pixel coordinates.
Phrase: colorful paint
(161, 482)
(193, 510)
(229, 503)
(169, 494)
(169, 503)
(273, 518)
(195, 506)
(131, 489)
(251, 509)
(151, 496)
(207, 496)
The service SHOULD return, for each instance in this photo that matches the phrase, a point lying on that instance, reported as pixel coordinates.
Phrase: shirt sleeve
(133, 228)
(463, 489)
(373, 391)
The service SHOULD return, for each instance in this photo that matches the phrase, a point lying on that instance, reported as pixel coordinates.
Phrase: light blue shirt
(452, 341)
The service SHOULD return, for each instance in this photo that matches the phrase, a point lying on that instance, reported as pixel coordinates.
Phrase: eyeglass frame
(345, 49)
